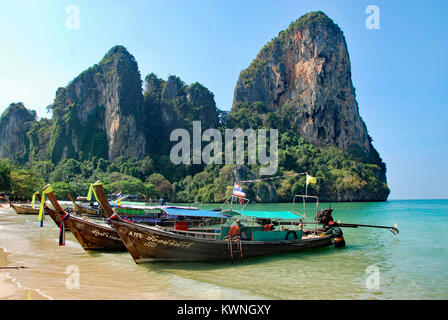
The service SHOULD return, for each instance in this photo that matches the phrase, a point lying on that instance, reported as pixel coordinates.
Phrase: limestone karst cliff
(98, 112)
(300, 83)
(307, 68)
(15, 122)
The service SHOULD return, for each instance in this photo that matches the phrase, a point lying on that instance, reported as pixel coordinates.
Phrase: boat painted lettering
(204, 311)
(135, 234)
(155, 240)
(98, 233)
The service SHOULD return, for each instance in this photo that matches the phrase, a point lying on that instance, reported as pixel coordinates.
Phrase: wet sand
(10, 289)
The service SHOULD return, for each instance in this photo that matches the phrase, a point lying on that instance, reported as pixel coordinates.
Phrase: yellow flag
(119, 202)
(310, 179)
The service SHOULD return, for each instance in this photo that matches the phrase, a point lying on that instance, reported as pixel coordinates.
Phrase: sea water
(376, 264)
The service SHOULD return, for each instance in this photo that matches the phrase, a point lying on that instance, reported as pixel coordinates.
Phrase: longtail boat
(22, 208)
(55, 216)
(90, 210)
(92, 233)
(157, 243)
(147, 243)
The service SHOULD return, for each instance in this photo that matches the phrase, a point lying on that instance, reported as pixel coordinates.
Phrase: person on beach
(336, 234)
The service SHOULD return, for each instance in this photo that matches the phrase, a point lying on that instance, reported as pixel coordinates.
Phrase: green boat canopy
(284, 215)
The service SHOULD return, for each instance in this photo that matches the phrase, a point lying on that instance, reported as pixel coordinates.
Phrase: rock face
(307, 68)
(172, 104)
(15, 122)
(100, 112)
(105, 113)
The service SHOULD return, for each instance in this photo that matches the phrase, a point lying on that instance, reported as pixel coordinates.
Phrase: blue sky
(399, 71)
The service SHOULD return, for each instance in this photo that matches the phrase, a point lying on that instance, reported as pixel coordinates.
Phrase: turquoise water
(412, 265)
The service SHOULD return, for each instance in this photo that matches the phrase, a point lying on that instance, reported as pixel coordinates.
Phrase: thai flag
(119, 195)
(238, 191)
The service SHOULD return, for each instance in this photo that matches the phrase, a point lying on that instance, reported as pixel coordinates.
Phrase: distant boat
(90, 210)
(22, 208)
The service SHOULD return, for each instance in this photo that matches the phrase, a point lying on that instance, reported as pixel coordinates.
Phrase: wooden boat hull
(84, 210)
(55, 216)
(24, 209)
(90, 234)
(93, 235)
(146, 244)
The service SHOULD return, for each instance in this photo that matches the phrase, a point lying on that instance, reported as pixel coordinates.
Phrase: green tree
(5, 175)
(25, 182)
(162, 185)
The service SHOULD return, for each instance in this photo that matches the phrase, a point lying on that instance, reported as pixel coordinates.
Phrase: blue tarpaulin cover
(286, 215)
(194, 213)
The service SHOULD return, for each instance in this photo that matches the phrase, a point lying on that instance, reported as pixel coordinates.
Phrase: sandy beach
(10, 289)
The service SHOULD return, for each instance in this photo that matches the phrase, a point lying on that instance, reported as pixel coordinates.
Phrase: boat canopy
(143, 207)
(284, 215)
(193, 213)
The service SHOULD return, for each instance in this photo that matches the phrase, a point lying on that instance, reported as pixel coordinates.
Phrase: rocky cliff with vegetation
(108, 124)
(300, 83)
(172, 104)
(15, 122)
(98, 113)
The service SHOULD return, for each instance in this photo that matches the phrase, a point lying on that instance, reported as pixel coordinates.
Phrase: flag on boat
(119, 195)
(238, 191)
(310, 179)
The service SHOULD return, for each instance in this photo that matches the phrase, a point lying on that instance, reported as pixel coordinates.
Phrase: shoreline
(10, 288)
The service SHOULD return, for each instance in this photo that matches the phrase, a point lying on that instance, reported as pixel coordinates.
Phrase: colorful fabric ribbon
(62, 229)
(115, 216)
(92, 190)
(33, 199)
(42, 205)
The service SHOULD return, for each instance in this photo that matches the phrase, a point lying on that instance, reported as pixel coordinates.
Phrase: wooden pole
(53, 200)
(108, 211)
